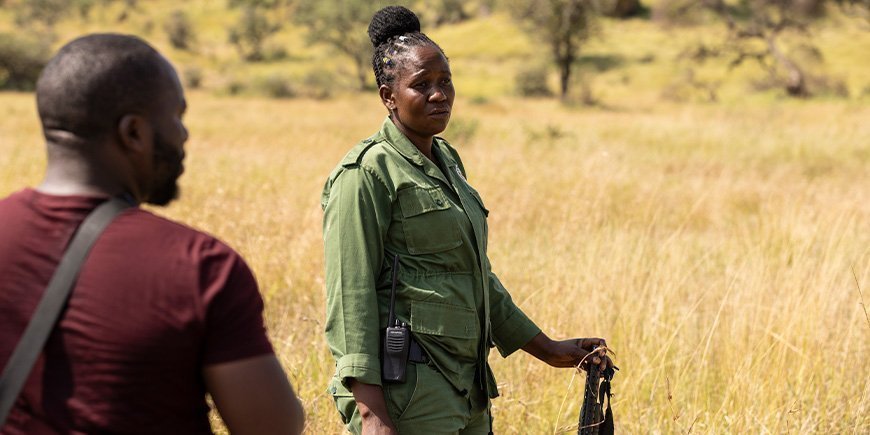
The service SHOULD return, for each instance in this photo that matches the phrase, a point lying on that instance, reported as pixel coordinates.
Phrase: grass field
(713, 246)
(722, 249)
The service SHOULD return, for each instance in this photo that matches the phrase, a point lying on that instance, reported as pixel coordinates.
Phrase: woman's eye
(447, 81)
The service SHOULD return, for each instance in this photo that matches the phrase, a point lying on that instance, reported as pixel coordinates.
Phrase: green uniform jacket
(387, 198)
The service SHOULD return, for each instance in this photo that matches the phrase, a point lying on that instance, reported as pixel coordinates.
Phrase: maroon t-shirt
(155, 302)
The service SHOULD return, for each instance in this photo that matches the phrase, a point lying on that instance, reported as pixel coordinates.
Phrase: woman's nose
(437, 94)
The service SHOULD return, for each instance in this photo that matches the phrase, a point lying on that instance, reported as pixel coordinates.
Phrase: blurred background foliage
(591, 52)
(709, 214)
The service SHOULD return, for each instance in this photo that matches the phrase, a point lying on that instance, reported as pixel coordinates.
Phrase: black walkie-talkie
(397, 339)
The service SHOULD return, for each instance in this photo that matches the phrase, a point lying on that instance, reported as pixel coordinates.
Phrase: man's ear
(135, 133)
(387, 97)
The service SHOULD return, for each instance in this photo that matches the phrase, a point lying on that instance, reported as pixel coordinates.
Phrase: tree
(755, 31)
(47, 12)
(179, 29)
(21, 60)
(259, 20)
(620, 8)
(251, 32)
(342, 25)
(564, 25)
(450, 12)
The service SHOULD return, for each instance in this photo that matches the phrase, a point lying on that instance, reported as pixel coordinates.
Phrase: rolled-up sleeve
(356, 218)
(511, 328)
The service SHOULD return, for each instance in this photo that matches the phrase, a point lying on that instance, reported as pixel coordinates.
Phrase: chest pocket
(428, 220)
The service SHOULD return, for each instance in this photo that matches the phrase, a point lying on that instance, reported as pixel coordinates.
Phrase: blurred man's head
(114, 103)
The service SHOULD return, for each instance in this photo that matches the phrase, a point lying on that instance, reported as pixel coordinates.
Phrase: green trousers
(427, 404)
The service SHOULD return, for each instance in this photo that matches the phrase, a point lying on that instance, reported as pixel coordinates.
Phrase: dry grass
(713, 246)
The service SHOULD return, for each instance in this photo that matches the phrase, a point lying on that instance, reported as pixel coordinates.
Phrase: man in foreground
(161, 314)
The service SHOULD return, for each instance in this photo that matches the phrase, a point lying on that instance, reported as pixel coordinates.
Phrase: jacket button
(439, 202)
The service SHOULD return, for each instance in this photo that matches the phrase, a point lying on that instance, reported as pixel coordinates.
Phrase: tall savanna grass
(721, 250)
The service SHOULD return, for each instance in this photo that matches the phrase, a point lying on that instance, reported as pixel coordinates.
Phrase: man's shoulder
(152, 233)
(151, 221)
(15, 199)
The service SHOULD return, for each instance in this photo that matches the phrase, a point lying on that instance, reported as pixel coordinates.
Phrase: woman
(400, 214)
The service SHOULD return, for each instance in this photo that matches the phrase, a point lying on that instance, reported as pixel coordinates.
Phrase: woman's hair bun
(392, 21)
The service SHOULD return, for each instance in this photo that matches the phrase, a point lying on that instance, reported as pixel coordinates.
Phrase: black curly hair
(393, 30)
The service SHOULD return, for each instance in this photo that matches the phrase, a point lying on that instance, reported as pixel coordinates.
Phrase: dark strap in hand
(33, 340)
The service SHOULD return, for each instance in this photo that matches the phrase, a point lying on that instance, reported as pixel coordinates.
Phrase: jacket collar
(401, 143)
(407, 149)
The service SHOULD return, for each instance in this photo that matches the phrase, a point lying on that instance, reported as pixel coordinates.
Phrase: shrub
(621, 8)
(179, 29)
(46, 12)
(532, 82)
(825, 85)
(461, 131)
(21, 61)
(278, 86)
(319, 84)
(235, 86)
(548, 134)
(193, 77)
(479, 100)
(274, 52)
(676, 13)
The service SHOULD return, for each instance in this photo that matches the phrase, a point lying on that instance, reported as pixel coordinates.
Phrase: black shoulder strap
(27, 351)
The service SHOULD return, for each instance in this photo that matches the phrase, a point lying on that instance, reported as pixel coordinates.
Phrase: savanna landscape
(713, 227)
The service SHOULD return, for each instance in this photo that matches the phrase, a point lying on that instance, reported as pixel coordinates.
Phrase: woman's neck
(423, 143)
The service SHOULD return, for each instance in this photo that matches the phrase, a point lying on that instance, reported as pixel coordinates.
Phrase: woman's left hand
(569, 353)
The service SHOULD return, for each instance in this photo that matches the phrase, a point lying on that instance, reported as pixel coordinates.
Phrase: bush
(179, 29)
(278, 86)
(274, 52)
(46, 12)
(193, 77)
(828, 86)
(479, 100)
(621, 8)
(450, 12)
(549, 134)
(235, 86)
(676, 13)
(319, 84)
(21, 61)
(532, 82)
(461, 131)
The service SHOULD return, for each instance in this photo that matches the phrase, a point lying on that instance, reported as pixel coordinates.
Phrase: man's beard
(168, 161)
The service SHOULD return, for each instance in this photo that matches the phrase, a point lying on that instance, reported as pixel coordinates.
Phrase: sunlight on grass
(712, 246)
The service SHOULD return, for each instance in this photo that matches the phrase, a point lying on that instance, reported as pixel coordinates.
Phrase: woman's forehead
(425, 59)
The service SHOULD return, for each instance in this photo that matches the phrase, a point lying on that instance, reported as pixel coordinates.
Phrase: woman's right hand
(372, 409)
(569, 353)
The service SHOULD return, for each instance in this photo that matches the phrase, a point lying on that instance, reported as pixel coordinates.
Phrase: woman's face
(421, 98)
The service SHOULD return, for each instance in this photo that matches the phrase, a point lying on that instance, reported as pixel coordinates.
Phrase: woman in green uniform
(399, 205)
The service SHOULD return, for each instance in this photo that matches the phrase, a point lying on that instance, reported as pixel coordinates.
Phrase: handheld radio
(397, 338)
